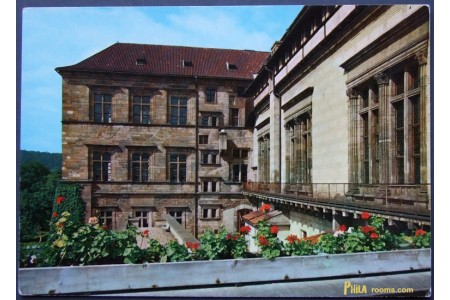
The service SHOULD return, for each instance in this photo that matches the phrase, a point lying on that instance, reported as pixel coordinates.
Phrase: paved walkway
(156, 233)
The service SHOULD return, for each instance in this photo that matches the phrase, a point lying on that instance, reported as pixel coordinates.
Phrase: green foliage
(175, 252)
(330, 244)
(299, 247)
(271, 246)
(72, 201)
(222, 245)
(36, 195)
(422, 241)
(31, 174)
(154, 252)
(51, 160)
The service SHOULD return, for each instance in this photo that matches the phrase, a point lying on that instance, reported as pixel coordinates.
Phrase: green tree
(36, 196)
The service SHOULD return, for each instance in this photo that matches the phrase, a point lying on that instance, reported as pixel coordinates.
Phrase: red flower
(292, 238)
(145, 233)
(59, 199)
(365, 215)
(263, 241)
(367, 229)
(229, 236)
(343, 227)
(374, 235)
(55, 214)
(274, 229)
(265, 208)
(236, 236)
(193, 246)
(60, 225)
(420, 232)
(245, 230)
(105, 227)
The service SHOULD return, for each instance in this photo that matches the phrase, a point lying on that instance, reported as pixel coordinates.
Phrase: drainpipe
(196, 160)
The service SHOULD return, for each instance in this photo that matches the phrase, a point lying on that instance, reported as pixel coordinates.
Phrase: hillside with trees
(51, 160)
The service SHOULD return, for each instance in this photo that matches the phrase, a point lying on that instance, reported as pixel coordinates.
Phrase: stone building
(342, 109)
(151, 130)
(333, 122)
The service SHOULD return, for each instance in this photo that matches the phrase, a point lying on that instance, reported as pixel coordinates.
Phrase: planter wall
(148, 277)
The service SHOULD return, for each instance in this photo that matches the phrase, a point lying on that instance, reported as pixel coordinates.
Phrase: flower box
(162, 278)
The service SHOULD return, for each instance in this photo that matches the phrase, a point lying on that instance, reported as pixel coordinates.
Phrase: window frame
(139, 118)
(178, 112)
(210, 95)
(101, 164)
(103, 106)
(179, 165)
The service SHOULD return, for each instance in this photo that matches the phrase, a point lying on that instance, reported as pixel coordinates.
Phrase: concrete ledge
(222, 273)
(181, 234)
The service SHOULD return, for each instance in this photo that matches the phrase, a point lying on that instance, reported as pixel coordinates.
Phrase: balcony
(405, 201)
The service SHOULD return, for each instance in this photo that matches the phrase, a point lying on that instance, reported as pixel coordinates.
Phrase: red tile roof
(168, 60)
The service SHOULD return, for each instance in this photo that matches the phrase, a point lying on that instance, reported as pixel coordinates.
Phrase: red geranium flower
(193, 246)
(274, 229)
(59, 199)
(420, 232)
(374, 235)
(60, 225)
(365, 215)
(229, 236)
(367, 229)
(265, 208)
(235, 236)
(105, 227)
(263, 241)
(55, 214)
(292, 238)
(145, 233)
(245, 229)
(343, 227)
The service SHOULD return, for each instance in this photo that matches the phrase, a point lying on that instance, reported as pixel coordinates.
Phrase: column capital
(381, 78)
(422, 56)
(351, 93)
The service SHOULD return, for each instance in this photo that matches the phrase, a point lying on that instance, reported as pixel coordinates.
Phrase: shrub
(68, 198)
(266, 236)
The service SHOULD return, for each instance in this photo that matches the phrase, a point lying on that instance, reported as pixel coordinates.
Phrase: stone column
(422, 58)
(384, 120)
(353, 108)
(275, 138)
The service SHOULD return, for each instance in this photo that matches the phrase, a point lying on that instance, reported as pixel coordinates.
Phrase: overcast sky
(55, 37)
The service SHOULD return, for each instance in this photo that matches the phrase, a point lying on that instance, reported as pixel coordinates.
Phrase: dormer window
(141, 61)
(231, 66)
(187, 63)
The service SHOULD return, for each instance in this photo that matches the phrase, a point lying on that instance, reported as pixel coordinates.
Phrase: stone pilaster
(353, 107)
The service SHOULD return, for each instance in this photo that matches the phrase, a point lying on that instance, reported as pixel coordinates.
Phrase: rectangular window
(141, 109)
(178, 110)
(203, 139)
(416, 138)
(102, 107)
(177, 215)
(239, 173)
(210, 95)
(205, 186)
(210, 213)
(106, 218)
(101, 166)
(177, 167)
(234, 117)
(366, 147)
(398, 86)
(213, 186)
(143, 217)
(400, 141)
(205, 121)
(214, 158)
(140, 166)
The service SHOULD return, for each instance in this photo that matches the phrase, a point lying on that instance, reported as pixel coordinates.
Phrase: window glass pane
(146, 99)
(106, 156)
(96, 155)
(182, 158)
(174, 101)
(136, 99)
(107, 98)
(182, 176)
(145, 172)
(97, 97)
(205, 120)
(213, 213)
(173, 173)
(183, 101)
